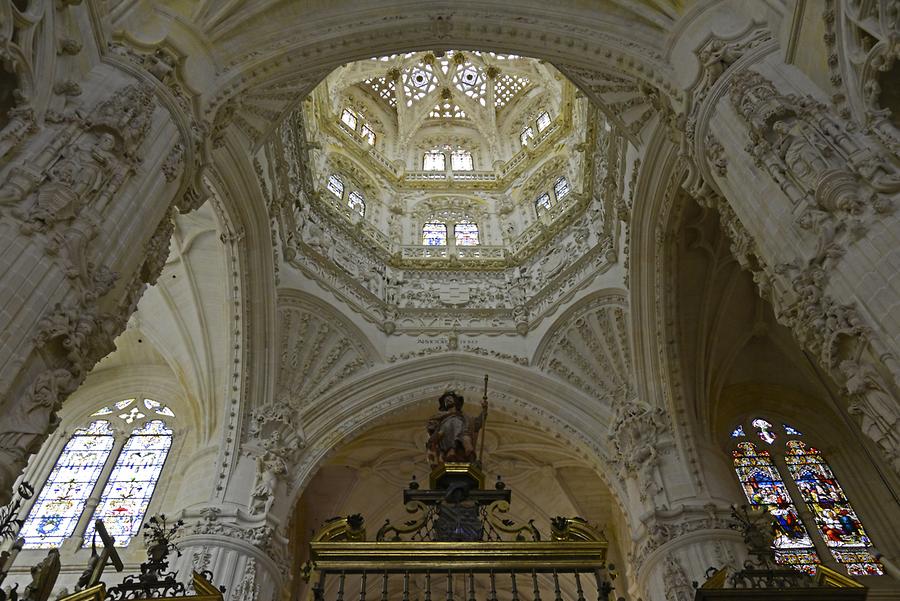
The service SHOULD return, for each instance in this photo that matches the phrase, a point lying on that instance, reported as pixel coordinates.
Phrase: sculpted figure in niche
(269, 468)
(451, 433)
(876, 409)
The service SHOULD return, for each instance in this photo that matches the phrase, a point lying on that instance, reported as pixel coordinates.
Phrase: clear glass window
(349, 118)
(434, 161)
(542, 203)
(368, 135)
(543, 121)
(356, 202)
(466, 233)
(434, 234)
(461, 160)
(336, 186)
(561, 188)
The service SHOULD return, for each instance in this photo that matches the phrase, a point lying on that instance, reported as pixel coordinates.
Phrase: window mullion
(815, 535)
(90, 506)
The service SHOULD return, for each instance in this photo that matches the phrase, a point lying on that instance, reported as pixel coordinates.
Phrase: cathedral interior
(275, 274)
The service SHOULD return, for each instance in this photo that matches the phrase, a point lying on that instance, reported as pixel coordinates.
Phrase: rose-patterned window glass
(58, 507)
(542, 203)
(764, 488)
(434, 234)
(561, 188)
(336, 186)
(466, 233)
(835, 518)
(356, 202)
(131, 483)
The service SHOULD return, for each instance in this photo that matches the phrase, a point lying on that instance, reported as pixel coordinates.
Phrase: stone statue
(878, 412)
(451, 433)
(270, 466)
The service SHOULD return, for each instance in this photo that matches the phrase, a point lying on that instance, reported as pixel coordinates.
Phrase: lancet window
(438, 158)
(99, 467)
(812, 486)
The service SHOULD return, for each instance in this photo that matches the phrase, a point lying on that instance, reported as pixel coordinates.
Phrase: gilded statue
(451, 433)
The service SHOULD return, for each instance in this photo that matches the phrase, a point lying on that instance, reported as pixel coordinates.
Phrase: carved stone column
(87, 193)
(245, 556)
(680, 546)
(818, 226)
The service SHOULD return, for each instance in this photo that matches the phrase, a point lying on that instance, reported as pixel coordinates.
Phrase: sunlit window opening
(447, 110)
(384, 88)
(349, 118)
(542, 203)
(561, 188)
(506, 87)
(527, 135)
(356, 202)
(434, 234)
(367, 134)
(336, 186)
(461, 160)
(418, 81)
(466, 233)
(434, 161)
(543, 121)
(472, 82)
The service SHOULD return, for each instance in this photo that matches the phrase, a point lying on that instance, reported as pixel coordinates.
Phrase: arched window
(357, 203)
(561, 187)
(542, 203)
(466, 233)
(527, 135)
(816, 488)
(349, 118)
(336, 186)
(461, 160)
(434, 161)
(74, 483)
(434, 234)
(131, 483)
(58, 507)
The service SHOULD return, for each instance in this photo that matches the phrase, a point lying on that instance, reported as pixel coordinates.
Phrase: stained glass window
(527, 135)
(835, 518)
(336, 186)
(764, 429)
(434, 161)
(461, 160)
(349, 118)
(466, 233)
(58, 507)
(738, 432)
(131, 483)
(543, 121)
(542, 203)
(791, 431)
(764, 488)
(356, 202)
(561, 188)
(434, 234)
